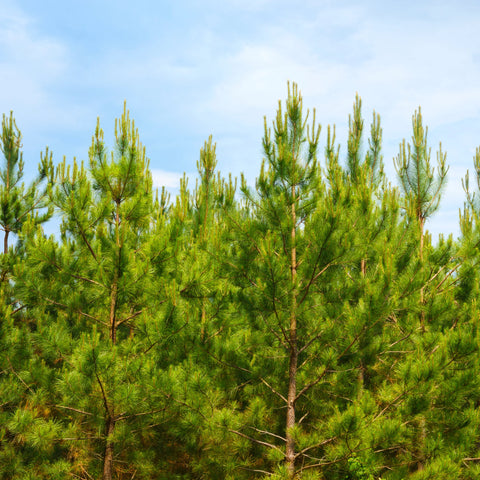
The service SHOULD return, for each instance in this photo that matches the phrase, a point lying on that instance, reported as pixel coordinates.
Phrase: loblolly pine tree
(422, 190)
(287, 188)
(420, 184)
(373, 161)
(18, 203)
(201, 387)
(296, 244)
(443, 343)
(105, 316)
(373, 158)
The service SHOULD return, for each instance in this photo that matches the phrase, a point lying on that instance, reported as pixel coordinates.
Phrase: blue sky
(188, 69)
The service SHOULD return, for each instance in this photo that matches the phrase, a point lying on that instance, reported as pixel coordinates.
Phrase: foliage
(304, 328)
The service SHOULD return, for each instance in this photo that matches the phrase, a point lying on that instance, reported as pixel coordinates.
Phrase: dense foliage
(303, 328)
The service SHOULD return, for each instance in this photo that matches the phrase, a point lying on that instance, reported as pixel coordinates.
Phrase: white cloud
(162, 178)
(224, 79)
(31, 62)
(394, 64)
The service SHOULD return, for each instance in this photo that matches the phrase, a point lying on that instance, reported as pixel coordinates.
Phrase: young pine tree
(296, 244)
(104, 309)
(19, 205)
(18, 202)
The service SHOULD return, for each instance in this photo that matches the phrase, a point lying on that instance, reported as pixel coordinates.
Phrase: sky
(189, 69)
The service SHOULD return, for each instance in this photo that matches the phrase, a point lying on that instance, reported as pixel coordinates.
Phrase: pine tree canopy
(302, 326)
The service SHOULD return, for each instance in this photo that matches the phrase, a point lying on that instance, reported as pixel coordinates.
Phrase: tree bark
(108, 455)
(293, 363)
(422, 426)
(110, 411)
(5, 241)
(422, 300)
(113, 308)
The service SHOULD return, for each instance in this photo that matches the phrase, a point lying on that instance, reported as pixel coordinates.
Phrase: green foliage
(274, 334)
(421, 186)
(18, 203)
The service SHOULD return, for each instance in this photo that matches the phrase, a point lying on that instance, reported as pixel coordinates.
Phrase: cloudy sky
(188, 69)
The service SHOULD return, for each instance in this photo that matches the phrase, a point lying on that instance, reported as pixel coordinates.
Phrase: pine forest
(303, 327)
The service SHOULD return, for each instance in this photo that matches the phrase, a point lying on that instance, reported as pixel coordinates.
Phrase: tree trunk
(293, 364)
(5, 241)
(422, 300)
(422, 427)
(110, 411)
(113, 308)
(292, 393)
(108, 455)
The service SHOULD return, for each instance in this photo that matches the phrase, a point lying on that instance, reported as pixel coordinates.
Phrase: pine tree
(285, 324)
(105, 317)
(442, 346)
(20, 206)
(201, 386)
(17, 202)
(295, 244)
(421, 186)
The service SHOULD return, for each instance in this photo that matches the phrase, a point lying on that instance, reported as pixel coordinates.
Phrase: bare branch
(124, 416)
(256, 471)
(320, 464)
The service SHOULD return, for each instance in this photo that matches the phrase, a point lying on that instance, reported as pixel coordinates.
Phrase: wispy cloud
(219, 67)
(31, 62)
(162, 178)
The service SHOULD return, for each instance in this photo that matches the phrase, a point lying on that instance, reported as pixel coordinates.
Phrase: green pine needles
(306, 327)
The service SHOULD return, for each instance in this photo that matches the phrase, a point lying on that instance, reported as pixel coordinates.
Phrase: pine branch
(317, 380)
(315, 265)
(267, 433)
(123, 416)
(273, 390)
(311, 447)
(83, 412)
(307, 387)
(259, 442)
(53, 302)
(312, 340)
(18, 376)
(132, 316)
(104, 396)
(398, 397)
(286, 339)
(87, 243)
(79, 277)
(228, 364)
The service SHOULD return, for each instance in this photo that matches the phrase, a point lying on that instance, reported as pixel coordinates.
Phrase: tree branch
(73, 410)
(267, 433)
(53, 302)
(266, 444)
(273, 390)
